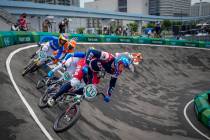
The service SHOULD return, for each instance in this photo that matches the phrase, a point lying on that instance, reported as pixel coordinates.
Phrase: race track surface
(146, 105)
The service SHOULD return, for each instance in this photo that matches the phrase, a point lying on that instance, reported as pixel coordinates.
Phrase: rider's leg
(79, 91)
(75, 82)
(64, 88)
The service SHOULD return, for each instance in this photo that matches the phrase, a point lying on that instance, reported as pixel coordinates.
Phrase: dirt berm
(146, 105)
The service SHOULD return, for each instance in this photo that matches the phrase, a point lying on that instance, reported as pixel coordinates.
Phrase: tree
(151, 25)
(166, 24)
(113, 28)
(133, 27)
(176, 23)
(80, 30)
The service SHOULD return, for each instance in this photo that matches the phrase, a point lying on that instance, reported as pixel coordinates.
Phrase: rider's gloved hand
(109, 94)
(39, 44)
(107, 98)
(50, 74)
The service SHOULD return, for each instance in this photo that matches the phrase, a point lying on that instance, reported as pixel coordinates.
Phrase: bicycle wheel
(41, 83)
(67, 119)
(43, 100)
(29, 68)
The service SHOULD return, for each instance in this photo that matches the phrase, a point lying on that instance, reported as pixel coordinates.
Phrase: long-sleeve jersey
(75, 54)
(53, 44)
(107, 61)
(70, 62)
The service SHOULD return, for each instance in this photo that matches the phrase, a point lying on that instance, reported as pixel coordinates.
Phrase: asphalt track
(146, 105)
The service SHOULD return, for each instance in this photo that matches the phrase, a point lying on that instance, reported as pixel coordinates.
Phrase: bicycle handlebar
(101, 93)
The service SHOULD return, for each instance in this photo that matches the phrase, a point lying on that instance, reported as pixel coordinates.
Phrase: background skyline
(83, 1)
(194, 1)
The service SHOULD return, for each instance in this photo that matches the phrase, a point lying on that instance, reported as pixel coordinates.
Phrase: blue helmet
(125, 60)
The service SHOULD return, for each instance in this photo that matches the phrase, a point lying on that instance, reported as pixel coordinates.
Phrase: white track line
(188, 120)
(21, 95)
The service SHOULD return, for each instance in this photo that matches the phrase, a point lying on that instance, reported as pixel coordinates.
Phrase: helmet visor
(62, 42)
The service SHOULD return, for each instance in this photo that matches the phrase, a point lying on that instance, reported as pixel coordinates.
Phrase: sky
(82, 1)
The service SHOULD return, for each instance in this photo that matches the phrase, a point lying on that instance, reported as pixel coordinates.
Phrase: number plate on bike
(90, 91)
(42, 55)
(66, 76)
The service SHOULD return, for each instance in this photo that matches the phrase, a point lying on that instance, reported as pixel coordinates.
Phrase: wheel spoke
(67, 117)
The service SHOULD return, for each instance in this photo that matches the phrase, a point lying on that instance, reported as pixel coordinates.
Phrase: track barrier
(13, 38)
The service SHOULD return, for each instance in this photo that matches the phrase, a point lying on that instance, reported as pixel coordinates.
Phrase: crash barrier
(13, 38)
(202, 108)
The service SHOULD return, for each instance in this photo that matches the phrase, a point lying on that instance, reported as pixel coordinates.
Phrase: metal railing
(7, 16)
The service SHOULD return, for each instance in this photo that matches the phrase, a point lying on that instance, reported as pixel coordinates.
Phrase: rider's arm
(101, 55)
(45, 47)
(60, 51)
(76, 54)
(112, 84)
(57, 68)
(92, 53)
(46, 38)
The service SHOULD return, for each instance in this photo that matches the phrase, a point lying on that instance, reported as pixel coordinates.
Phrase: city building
(154, 7)
(128, 6)
(140, 7)
(169, 7)
(56, 2)
(105, 5)
(195, 9)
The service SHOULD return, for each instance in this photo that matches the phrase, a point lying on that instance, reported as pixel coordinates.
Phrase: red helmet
(137, 58)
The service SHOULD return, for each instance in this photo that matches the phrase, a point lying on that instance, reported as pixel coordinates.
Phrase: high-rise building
(122, 6)
(105, 5)
(195, 9)
(154, 7)
(128, 6)
(57, 2)
(169, 7)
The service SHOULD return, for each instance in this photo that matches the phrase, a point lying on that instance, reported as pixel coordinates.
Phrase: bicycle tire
(39, 82)
(43, 100)
(73, 120)
(28, 69)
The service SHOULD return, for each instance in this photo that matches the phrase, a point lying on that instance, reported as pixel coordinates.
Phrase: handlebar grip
(39, 44)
